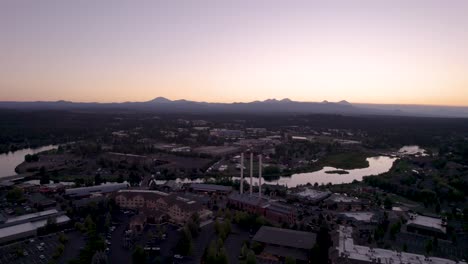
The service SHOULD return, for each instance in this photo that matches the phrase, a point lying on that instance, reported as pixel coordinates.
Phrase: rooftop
(30, 216)
(339, 198)
(143, 191)
(312, 194)
(249, 199)
(347, 249)
(359, 216)
(427, 222)
(285, 237)
(210, 187)
(281, 208)
(28, 227)
(107, 187)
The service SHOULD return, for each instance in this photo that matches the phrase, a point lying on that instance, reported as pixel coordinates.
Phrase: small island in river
(337, 172)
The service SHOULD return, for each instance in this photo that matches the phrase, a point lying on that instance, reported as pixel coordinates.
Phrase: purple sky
(372, 51)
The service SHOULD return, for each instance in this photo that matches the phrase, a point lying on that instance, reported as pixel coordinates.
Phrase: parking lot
(37, 250)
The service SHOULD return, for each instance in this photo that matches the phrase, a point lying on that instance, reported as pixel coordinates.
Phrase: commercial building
(24, 226)
(226, 133)
(97, 189)
(272, 210)
(310, 195)
(155, 203)
(348, 252)
(282, 243)
(341, 202)
(425, 225)
(252, 203)
(217, 151)
(210, 188)
(40, 201)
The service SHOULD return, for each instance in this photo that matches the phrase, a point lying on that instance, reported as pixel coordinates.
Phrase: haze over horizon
(375, 52)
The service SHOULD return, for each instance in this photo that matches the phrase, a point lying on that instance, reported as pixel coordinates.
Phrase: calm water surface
(9, 161)
(377, 165)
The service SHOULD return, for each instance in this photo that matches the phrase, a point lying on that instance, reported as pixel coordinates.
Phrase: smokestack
(242, 174)
(251, 172)
(259, 175)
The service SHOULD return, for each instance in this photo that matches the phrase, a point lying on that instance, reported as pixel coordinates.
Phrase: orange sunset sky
(399, 52)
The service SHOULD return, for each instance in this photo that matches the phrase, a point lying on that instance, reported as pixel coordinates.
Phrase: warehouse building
(24, 226)
(280, 244)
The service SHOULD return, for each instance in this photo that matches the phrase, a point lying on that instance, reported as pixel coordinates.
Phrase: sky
(363, 51)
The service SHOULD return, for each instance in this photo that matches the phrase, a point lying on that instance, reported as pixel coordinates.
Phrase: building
(272, 210)
(155, 204)
(226, 133)
(284, 243)
(253, 204)
(97, 189)
(217, 151)
(359, 217)
(348, 252)
(24, 226)
(310, 195)
(280, 213)
(40, 201)
(210, 188)
(425, 225)
(341, 202)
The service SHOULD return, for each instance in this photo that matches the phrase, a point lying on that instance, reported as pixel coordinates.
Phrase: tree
(256, 247)
(14, 195)
(139, 255)
(44, 176)
(251, 259)
(97, 179)
(216, 253)
(185, 244)
(289, 260)
(63, 238)
(395, 229)
(388, 203)
(322, 245)
(31, 158)
(194, 224)
(429, 246)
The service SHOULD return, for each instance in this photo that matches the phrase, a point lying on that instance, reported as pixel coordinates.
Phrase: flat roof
(143, 191)
(107, 187)
(339, 198)
(426, 222)
(359, 216)
(29, 227)
(312, 193)
(280, 208)
(285, 237)
(347, 249)
(285, 252)
(30, 216)
(210, 187)
(249, 199)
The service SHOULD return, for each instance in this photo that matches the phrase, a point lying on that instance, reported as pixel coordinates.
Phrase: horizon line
(230, 102)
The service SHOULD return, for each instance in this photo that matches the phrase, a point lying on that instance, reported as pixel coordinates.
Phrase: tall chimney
(242, 174)
(251, 172)
(260, 175)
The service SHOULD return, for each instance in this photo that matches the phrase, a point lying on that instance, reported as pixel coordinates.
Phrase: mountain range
(161, 104)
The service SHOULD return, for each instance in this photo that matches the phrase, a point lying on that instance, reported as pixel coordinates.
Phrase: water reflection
(377, 165)
(9, 161)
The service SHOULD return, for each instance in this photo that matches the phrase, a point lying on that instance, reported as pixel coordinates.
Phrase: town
(210, 190)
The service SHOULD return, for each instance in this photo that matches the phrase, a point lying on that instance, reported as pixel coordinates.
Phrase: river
(9, 161)
(377, 165)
